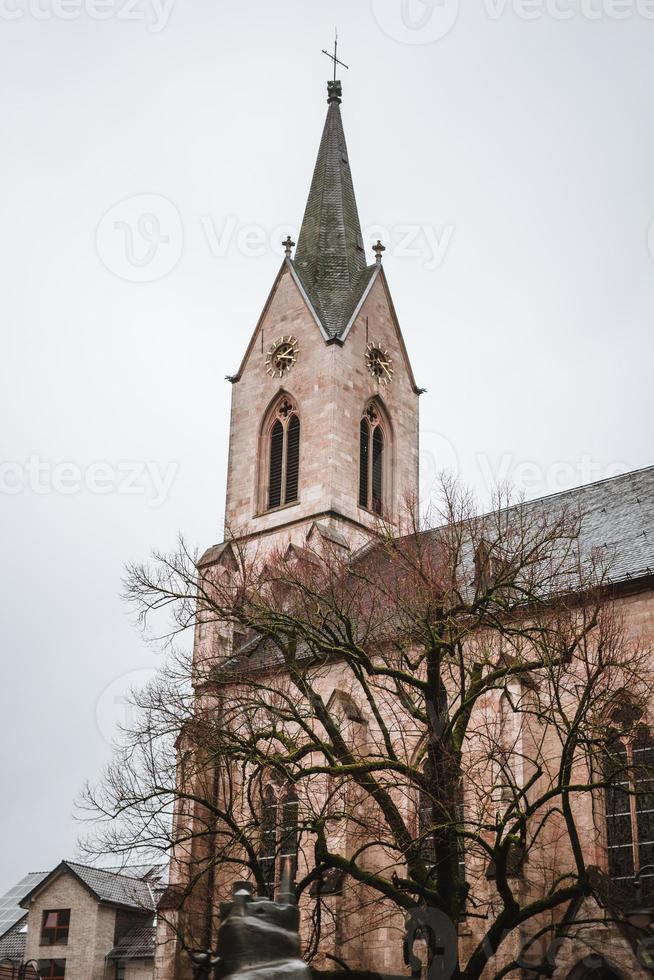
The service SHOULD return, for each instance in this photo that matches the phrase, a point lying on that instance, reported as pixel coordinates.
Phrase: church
(324, 441)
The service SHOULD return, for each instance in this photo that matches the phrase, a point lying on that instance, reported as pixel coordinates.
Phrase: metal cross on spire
(334, 57)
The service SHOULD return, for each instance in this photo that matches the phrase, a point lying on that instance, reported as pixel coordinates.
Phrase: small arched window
(279, 835)
(283, 455)
(372, 446)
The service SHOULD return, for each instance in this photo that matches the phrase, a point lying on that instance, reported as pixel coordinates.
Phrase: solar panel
(10, 910)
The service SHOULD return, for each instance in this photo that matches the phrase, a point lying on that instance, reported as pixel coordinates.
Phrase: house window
(371, 461)
(52, 969)
(629, 770)
(279, 836)
(54, 928)
(283, 455)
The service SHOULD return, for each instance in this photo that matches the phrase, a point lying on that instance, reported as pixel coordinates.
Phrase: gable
(287, 304)
(376, 315)
(102, 886)
(58, 890)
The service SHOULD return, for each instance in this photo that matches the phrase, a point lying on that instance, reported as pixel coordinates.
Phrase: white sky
(517, 153)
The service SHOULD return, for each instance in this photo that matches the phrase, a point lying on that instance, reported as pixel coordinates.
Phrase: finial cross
(334, 57)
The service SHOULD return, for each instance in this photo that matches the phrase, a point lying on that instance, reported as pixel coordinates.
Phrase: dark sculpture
(259, 939)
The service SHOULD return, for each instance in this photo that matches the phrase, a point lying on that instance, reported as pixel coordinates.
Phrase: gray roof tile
(139, 891)
(116, 889)
(12, 944)
(617, 517)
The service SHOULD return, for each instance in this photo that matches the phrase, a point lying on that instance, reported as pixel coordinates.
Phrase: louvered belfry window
(284, 455)
(371, 461)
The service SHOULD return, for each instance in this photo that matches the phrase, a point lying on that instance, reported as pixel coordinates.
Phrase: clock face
(281, 357)
(379, 363)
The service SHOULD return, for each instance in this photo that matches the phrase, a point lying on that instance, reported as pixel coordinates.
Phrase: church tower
(324, 421)
(323, 436)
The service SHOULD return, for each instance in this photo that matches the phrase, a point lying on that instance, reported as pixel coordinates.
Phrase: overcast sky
(154, 153)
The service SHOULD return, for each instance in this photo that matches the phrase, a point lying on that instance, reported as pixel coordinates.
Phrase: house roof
(137, 944)
(109, 887)
(330, 259)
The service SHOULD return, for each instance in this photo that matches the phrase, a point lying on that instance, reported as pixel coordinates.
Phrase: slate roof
(137, 944)
(330, 259)
(617, 517)
(107, 886)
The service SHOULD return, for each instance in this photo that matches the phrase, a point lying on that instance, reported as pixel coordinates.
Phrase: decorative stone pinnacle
(334, 92)
(378, 249)
(288, 245)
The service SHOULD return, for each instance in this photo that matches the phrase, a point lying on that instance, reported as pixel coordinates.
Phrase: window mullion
(633, 815)
(284, 462)
(371, 442)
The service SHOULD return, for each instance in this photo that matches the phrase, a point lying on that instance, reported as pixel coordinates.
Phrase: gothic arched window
(283, 455)
(372, 450)
(279, 835)
(629, 772)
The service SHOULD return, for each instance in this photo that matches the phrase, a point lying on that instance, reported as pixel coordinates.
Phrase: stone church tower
(324, 419)
(324, 422)
(324, 440)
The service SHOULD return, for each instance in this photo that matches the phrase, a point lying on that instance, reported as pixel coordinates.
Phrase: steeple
(330, 259)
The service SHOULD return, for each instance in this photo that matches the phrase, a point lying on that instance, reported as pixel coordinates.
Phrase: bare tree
(419, 725)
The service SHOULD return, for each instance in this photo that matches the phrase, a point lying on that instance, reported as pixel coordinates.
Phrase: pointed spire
(330, 258)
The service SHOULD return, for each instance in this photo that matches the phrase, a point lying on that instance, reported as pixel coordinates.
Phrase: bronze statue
(259, 939)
